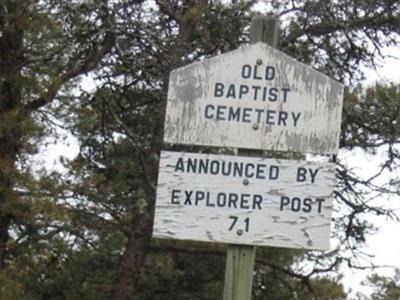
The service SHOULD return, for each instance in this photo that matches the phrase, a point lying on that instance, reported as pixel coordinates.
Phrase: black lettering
(296, 204)
(319, 201)
(285, 93)
(256, 89)
(175, 196)
(221, 199)
(301, 174)
(247, 222)
(249, 170)
(188, 195)
(260, 172)
(257, 200)
(244, 201)
(233, 198)
(199, 196)
(255, 75)
(284, 202)
(234, 218)
(246, 116)
(282, 117)
(226, 168)
(203, 166)
(208, 203)
(273, 172)
(207, 113)
(234, 114)
(259, 112)
(243, 90)
(237, 169)
(269, 73)
(191, 165)
(313, 174)
(273, 94)
(214, 167)
(231, 92)
(307, 204)
(296, 117)
(246, 71)
(220, 112)
(265, 90)
(219, 89)
(179, 165)
(270, 117)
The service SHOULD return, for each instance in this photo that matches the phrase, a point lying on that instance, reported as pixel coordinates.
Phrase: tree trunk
(4, 223)
(134, 255)
(11, 56)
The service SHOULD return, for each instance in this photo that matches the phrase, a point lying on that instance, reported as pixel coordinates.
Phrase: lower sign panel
(244, 200)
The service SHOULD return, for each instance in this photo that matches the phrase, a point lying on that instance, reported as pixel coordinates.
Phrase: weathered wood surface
(257, 98)
(288, 205)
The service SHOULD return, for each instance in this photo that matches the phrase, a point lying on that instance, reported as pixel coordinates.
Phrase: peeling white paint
(261, 214)
(300, 91)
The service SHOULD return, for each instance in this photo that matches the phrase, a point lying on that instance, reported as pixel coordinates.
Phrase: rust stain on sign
(255, 97)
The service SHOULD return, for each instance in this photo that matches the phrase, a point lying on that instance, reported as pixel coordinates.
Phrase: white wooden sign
(255, 97)
(244, 200)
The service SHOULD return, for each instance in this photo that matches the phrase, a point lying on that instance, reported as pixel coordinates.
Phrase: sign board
(244, 200)
(255, 97)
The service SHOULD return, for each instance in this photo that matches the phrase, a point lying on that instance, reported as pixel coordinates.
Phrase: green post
(239, 272)
(264, 29)
(240, 258)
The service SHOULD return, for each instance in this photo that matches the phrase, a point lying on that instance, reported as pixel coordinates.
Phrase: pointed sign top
(255, 97)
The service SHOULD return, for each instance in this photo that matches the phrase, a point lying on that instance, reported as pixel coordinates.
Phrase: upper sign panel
(255, 97)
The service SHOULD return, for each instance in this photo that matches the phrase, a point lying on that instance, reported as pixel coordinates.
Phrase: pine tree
(130, 102)
(87, 234)
(44, 46)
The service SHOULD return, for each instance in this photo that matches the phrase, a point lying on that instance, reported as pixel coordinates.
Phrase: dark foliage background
(86, 233)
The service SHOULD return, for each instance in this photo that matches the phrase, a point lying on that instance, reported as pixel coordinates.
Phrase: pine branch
(89, 64)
